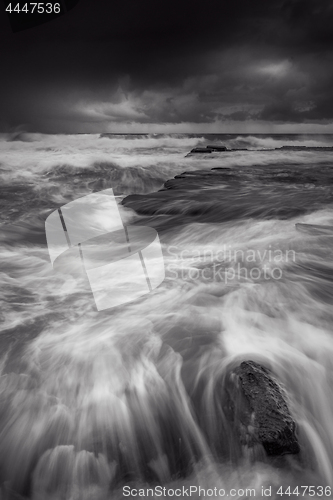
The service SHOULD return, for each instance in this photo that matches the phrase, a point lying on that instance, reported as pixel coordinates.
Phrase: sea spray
(93, 401)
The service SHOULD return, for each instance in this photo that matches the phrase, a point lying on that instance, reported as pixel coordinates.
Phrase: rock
(221, 168)
(208, 149)
(217, 148)
(258, 411)
(200, 150)
(306, 148)
(223, 194)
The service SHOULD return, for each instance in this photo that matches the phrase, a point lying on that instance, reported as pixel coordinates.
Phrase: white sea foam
(95, 400)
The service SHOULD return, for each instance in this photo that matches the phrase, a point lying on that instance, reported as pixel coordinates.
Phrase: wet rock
(200, 150)
(221, 168)
(223, 194)
(306, 148)
(258, 411)
(207, 149)
(217, 148)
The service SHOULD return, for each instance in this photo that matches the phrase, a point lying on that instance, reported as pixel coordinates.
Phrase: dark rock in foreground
(258, 411)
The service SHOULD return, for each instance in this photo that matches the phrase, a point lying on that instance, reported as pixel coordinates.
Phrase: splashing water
(92, 401)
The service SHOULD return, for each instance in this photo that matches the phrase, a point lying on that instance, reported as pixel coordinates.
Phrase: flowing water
(131, 396)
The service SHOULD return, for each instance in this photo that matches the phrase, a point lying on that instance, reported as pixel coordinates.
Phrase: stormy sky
(171, 66)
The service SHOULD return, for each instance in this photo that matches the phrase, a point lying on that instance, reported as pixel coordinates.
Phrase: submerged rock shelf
(219, 148)
(223, 194)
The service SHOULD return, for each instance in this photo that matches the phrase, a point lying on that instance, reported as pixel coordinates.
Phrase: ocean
(128, 400)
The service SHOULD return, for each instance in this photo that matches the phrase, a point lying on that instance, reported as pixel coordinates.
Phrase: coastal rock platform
(223, 193)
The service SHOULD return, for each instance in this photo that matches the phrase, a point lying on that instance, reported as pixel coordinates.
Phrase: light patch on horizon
(220, 127)
(109, 111)
(121, 106)
(277, 69)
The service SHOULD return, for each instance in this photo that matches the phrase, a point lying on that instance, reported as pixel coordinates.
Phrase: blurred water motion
(92, 401)
(87, 236)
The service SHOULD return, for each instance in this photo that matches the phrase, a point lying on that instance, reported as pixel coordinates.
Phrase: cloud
(127, 109)
(117, 64)
(279, 69)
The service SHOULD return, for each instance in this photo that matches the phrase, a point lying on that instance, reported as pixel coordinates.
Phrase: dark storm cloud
(310, 21)
(145, 62)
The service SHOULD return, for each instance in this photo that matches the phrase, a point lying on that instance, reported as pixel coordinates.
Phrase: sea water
(98, 405)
